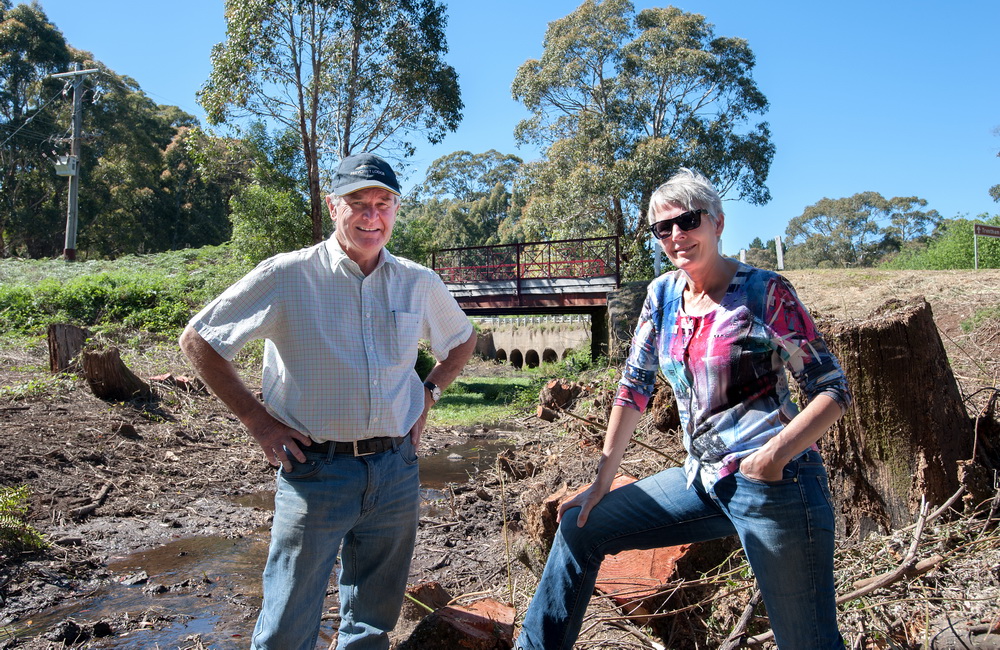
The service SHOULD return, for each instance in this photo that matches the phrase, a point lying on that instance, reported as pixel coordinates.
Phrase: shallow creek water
(223, 591)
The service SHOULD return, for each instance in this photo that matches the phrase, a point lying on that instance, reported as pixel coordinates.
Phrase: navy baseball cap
(362, 171)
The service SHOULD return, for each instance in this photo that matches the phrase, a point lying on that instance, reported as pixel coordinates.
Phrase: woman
(723, 334)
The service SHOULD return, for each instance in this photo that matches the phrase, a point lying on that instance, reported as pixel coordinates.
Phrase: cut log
(110, 379)
(908, 429)
(559, 393)
(546, 414)
(423, 599)
(65, 344)
(483, 625)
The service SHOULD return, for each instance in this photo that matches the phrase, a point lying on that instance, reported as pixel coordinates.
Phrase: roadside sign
(987, 231)
(982, 230)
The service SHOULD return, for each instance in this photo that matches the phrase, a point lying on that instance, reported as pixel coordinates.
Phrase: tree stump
(560, 393)
(110, 379)
(65, 344)
(908, 429)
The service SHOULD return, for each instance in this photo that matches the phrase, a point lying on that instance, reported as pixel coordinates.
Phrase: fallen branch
(597, 426)
(735, 638)
(643, 639)
(918, 569)
(95, 503)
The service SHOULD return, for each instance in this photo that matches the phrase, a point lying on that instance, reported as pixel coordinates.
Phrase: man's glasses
(687, 221)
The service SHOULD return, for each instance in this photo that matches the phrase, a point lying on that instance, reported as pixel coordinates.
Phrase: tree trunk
(908, 428)
(65, 344)
(110, 379)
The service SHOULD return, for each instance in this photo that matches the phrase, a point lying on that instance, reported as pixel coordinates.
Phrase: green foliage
(579, 361)
(856, 231)
(465, 200)
(465, 176)
(31, 49)
(365, 76)
(141, 189)
(37, 388)
(15, 533)
(951, 246)
(762, 258)
(267, 222)
(425, 363)
(134, 301)
(157, 293)
(621, 100)
(637, 260)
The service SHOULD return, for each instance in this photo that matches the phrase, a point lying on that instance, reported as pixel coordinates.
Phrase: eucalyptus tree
(31, 49)
(467, 199)
(619, 100)
(466, 176)
(347, 75)
(856, 230)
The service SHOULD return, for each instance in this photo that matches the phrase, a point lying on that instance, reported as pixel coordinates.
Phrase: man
(342, 409)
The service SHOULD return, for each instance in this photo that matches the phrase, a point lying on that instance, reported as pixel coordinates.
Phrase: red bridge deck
(566, 275)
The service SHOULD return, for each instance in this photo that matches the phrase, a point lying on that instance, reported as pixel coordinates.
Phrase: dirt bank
(110, 481)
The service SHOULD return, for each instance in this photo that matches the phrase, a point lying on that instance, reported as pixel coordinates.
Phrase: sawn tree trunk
(908, 428)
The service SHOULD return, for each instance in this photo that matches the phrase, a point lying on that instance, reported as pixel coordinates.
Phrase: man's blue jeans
(371, 504)
(786, 529)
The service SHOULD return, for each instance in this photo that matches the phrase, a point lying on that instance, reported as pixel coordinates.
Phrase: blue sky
(899, 98)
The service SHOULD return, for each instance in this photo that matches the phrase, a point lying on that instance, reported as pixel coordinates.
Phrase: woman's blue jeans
(366, 508)
(786, 528)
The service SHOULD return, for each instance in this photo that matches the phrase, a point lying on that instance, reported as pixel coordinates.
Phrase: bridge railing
(597, 257)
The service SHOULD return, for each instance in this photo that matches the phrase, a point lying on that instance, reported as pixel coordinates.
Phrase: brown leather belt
(365, 447)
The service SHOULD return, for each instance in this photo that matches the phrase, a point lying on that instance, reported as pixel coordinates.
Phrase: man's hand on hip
(277, 440)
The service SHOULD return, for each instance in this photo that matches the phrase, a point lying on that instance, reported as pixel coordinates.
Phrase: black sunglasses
(687, 221)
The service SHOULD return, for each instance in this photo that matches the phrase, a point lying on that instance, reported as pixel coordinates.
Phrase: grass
(38, 388)
(485, 400)
(981, 315)
(477, 399)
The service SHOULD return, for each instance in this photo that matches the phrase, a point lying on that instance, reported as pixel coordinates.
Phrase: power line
(28, 121)
(38, 136)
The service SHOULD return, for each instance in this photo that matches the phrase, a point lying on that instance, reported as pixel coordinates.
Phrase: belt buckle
(356, 453)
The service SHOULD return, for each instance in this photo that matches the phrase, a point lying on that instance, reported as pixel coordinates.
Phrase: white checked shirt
(340, 347)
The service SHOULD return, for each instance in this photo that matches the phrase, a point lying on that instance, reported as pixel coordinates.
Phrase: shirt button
(375, 382)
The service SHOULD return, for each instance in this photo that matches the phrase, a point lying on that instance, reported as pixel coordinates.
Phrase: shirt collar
(338, 256)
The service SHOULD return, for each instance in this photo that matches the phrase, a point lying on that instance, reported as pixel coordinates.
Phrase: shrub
(425, 363)
(15, 534)
(267, 222)
(951, 247)
(156, 293)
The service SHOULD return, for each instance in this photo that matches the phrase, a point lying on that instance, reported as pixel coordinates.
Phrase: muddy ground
(156, 512)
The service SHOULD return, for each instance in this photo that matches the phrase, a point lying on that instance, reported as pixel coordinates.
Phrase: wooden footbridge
(569, 276)
(564, 276)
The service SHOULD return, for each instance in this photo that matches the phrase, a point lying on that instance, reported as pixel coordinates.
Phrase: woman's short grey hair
(687, 188)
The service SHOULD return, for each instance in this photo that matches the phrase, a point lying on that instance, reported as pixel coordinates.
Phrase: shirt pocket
(404, 334)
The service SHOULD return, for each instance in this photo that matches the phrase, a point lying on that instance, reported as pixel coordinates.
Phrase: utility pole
(77, 75)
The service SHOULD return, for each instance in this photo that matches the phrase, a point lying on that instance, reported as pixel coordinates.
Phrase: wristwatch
(434, 389)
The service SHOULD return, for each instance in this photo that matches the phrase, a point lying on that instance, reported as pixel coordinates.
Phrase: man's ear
(331, 205)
